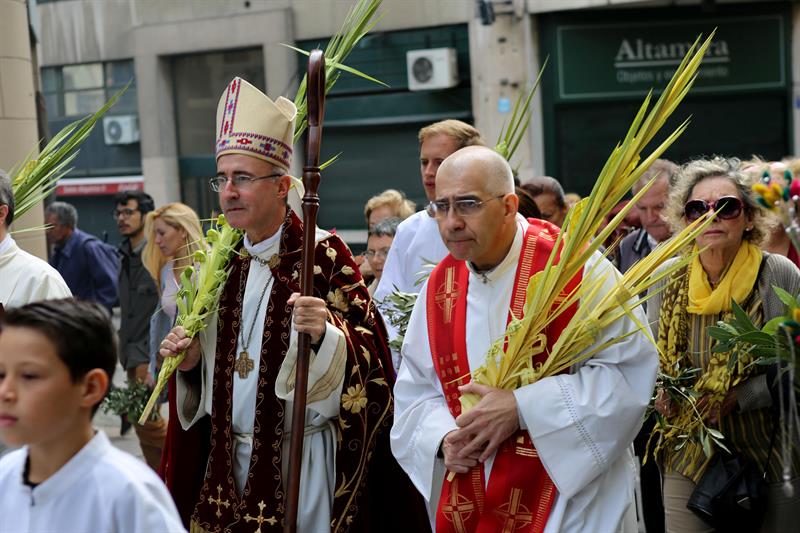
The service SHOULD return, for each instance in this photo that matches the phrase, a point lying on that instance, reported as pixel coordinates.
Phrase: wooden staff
(315, 99)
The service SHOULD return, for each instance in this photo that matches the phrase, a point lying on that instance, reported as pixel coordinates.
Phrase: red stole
(520, 494)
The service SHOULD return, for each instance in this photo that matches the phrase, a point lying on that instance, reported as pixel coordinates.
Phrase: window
(77, 90)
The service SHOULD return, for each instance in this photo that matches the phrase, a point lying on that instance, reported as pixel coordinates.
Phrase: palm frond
(35, 177)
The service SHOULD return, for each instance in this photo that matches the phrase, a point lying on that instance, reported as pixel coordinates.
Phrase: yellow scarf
(737, 282)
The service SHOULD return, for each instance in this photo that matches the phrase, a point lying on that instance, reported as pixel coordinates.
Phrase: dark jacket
(138, 299)
(633, 248)
(90, 272)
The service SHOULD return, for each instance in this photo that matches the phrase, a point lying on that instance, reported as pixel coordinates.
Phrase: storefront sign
(98, 186)
(617, 60)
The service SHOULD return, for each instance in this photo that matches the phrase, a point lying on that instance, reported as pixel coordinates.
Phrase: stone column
(18, 131)
(504, 64)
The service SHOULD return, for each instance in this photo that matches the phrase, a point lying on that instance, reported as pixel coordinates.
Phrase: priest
(551, 456)
(24, 278)
(240, 371)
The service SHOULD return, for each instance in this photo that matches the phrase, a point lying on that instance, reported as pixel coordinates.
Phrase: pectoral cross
(218, 501)
(260, 518)
(244, 365)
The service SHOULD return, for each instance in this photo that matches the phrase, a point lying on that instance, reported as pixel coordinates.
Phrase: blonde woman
(173, 234)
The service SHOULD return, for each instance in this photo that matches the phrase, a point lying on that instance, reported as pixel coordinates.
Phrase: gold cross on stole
(513, 514)
(447, 294)
(260, 518)
(458, 508)
(219, 501)
(244, 365)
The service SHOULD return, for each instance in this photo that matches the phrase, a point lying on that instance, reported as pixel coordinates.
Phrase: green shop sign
(618, 60)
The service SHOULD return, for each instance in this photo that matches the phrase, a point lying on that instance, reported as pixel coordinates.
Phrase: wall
(18, 129)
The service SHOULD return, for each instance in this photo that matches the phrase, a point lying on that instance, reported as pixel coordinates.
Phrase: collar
(266, 248)
(651, 241)
(69, 246)
(7, 244)
(509, 261)
(79, 465)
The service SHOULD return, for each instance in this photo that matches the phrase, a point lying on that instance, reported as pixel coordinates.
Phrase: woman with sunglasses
(730, 266)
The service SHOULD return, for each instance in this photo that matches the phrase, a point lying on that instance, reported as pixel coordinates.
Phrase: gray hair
(65, 213)
(663, 168)
(386, 227)
(7, 196)
(731, 169)
(544, 185)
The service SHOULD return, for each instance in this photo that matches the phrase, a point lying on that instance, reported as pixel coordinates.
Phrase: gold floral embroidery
(355, 399)
(347, 270)
(331, 252)
(358, 301)
(338, 300)
(317, 269)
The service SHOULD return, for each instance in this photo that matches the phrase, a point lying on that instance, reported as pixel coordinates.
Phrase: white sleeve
(421, 415)
(325, 373)
(582, 422)
(194, 401)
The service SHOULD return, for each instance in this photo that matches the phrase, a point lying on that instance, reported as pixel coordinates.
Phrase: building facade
(603, 57)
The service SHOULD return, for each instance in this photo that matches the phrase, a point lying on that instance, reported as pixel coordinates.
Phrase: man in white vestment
(551, 456)
(24, 278)
(417, 244)
(240, 371)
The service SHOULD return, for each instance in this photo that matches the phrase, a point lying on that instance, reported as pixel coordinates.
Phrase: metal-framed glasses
(124, 212)
(382, 253)
(240, 181)
(463, 207)
(726, 207)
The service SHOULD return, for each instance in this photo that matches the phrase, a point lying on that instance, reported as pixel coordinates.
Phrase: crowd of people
(387, 445)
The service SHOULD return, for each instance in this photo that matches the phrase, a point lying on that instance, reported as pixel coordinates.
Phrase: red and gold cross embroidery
(513, 514)
(458, 509)
(447, 294)
(218, 501)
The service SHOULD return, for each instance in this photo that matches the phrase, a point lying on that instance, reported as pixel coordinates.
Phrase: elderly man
(240, 372)
(89, 266)
(553, 455)
(23, 277)
(654, 228)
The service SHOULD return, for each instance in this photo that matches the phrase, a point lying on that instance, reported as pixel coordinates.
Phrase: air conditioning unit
(121, 129)
(434, 68)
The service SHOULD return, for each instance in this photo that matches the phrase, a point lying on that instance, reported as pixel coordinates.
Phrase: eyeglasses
(125, 212)
(464, 208)
(240, 181)
(727, 208)
(382, 253)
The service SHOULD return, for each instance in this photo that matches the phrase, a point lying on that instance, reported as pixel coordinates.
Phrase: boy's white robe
(582, 424)
(101, 489)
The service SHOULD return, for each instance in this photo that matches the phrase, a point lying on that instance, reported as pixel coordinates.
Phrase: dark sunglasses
(727, 208)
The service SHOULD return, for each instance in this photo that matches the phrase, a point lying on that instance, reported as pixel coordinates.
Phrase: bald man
(552, 455)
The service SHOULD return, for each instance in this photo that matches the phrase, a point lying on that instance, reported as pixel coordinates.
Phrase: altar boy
(56, 361)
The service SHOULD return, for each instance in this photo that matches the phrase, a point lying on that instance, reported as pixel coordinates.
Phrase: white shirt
(100, 489)
(24, 278)
(582, 424)
(416, 245)
(317, 477)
